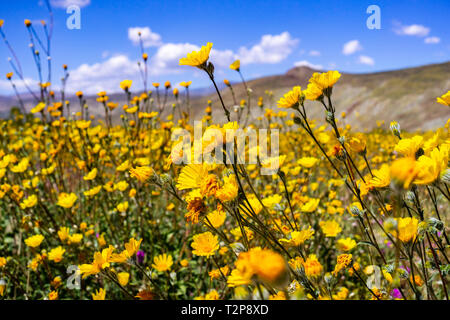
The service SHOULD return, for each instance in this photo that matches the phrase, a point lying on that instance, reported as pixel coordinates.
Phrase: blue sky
(269, 37)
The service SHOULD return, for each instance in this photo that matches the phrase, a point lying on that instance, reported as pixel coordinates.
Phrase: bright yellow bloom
(409, 147)
(56, 254)
(346, 244)
(99, 294)
(311, 205)
(122, 207)
(217, 218)
(29, 202)
(299, 237)
(268, 265)
(381, 178)
(192, 176)
(205, 244)
(343, 261)
(63, 233)
(38, 108)
(126, 84)
(229, 190)
(407, 228)
(123, 278)
(53, 295)
(444, 99)
(307, 162)
(34, 241)
(404, 170)
(330, 228)
(197, 58)
(325, 80)
(91, 175)
(312, 266)
(141, 173)
(66, 200)
(163, 262)
(236, 65)
(291, 99)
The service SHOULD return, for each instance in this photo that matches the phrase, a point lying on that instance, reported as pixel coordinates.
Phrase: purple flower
(140, 256)
(395, 293)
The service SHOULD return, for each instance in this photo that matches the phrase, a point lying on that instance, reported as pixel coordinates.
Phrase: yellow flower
(132, 246)
(330, 228)
(313, 92)
(162, 262)
(307, 162)
(185, 84)
(184, 263)
(191, 176)
(407, 229)
(74, 238)
(430, 168)
(197, 58)
(53, 295)
(56, 254)
(122, 207)
(268, 265)
(99, 295)
(444, 99)
(34, 241)
(404, 170)
(126, 84)
(217, 218)
(299, 237)
(63, 233)
(29, 202)
(205, 244)
(343, 261)
(141, 173)
(123, 166)
(346, 244)
(38, 108)
(312, 266)
(229, 190)
(409, 147)
(236, 65)
(325, 80)
(291, 99)
(21, 166)
(66, 200)
(123, 278)
(381, 178)
(310, 206)
(91, 175)
(92, 192)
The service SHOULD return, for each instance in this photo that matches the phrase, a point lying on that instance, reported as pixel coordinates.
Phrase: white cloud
(166, 59)
(105, 75)
(271, 49)
(149, 38)
(432, 40)
(67, 3)
(314, 53)
(366, 60)
(305, 63)
(222, 58)
(417, 30)
(351, 47)
(5, 85)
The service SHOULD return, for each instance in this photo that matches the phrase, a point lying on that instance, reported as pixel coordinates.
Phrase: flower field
(108, 207)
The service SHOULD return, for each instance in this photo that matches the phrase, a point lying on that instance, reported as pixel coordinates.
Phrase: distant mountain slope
(405, 95)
